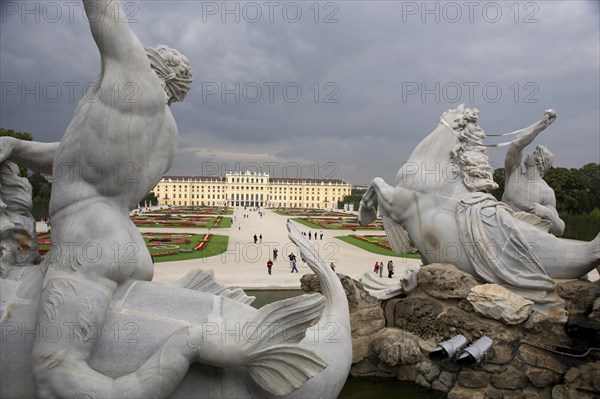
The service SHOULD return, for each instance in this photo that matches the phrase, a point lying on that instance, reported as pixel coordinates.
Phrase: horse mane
(470, 155)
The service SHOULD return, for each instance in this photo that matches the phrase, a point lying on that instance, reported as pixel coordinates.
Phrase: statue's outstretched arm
(112, 34)
(34, 155)
(514, 154)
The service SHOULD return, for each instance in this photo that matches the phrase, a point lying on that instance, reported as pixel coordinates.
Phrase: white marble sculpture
(525, 190)
(97, 274)
(440, 198)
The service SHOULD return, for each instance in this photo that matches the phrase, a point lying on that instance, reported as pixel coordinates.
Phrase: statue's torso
(118, 144)
(521, 192)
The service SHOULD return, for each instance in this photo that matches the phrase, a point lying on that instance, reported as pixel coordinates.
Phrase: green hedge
(582, 227)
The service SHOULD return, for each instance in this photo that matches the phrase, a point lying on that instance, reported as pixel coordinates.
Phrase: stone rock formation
(524, 361)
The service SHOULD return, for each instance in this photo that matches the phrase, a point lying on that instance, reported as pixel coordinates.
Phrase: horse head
(451, 161)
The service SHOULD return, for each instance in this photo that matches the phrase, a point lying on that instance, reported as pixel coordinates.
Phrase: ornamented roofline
(271, 180)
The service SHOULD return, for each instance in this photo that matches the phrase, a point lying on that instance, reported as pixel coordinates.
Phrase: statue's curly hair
(471, 155)
(174, 70)
(542, 158)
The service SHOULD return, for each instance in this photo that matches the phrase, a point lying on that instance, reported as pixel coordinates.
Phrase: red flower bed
(203, 242)
(164, 253)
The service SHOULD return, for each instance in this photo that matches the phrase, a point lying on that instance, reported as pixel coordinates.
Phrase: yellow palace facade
(251, 189)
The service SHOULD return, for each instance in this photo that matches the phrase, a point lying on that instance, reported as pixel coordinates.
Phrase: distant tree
(499, 178)
(149, 199)
(41, 195)
(354, 198)
(41, 187)
(14, 133)
(571, 187)
(592, 171)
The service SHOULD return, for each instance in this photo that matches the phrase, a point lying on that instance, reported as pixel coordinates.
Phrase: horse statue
(439, 202)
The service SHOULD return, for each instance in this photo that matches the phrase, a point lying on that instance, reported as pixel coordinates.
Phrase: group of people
(311, 234)
(291, 257)
(378, 268)
(257, 238)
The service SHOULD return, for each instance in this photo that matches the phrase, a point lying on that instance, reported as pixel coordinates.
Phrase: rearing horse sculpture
(440, 199)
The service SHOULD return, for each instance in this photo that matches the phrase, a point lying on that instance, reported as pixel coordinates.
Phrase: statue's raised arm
(514, 155)
(112, 34)
(526, 190)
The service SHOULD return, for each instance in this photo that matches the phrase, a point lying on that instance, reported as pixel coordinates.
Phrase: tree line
(577, 194)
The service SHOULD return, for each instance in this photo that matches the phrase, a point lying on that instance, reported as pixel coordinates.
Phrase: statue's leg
(384, 193)
(385, 196)
(73, 305)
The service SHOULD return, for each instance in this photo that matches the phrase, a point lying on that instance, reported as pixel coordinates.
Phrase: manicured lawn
(374, 248)
(337, 224)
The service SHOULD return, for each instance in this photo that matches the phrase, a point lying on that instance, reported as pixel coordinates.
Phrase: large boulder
(444, 281)
(584, 378)
(498, 303)
(418, 315)
(396, 347)
(579, 295)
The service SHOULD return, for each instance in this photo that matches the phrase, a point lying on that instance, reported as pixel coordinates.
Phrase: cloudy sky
(324, 89)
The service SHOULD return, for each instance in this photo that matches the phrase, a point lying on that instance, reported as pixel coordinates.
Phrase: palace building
(251, 189)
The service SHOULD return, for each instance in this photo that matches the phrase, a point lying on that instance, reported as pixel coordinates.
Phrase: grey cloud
(371, 56)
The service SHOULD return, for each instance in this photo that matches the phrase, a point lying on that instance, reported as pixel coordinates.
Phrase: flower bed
(312, 212)
(202, 244)
(164, 253)
(342, 223)
(178, 221)
(380, 241)
(159, 244)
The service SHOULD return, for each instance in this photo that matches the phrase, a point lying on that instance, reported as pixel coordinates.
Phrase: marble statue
(525, 190)
(98, 272)
(440, 198)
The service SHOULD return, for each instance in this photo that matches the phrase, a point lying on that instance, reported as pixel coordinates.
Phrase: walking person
(376, 267)
(381, 269)
(309, 235)
(255, 238)
(269, 266)
(390, 267)
(260, 237)
(292, 258)
(275, 252)
(321, 235)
